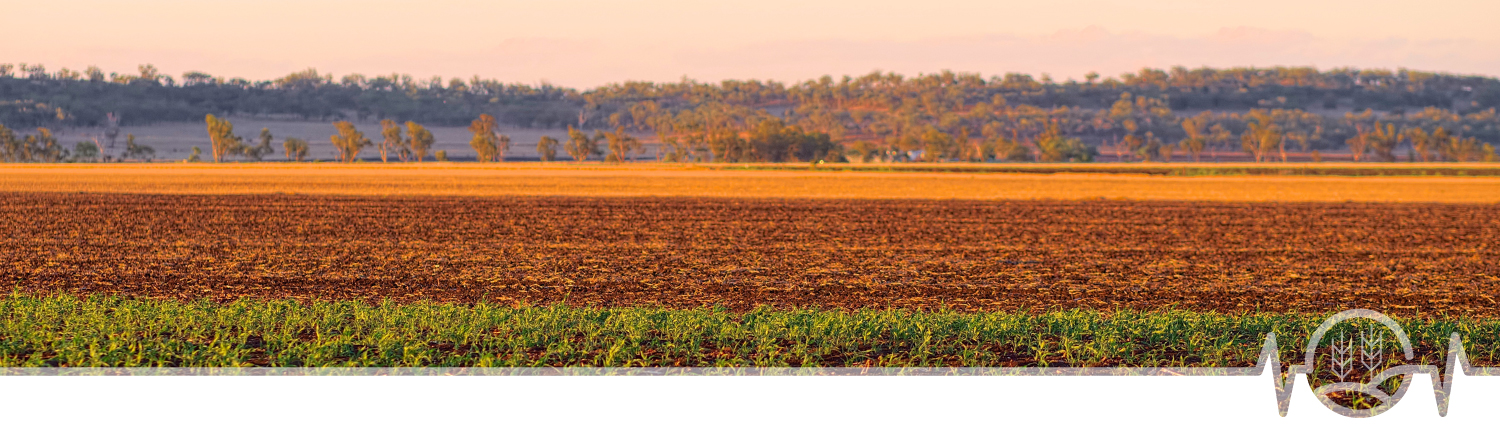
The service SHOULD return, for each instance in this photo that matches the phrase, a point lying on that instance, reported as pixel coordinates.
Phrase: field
(452, 266)
(651, 179)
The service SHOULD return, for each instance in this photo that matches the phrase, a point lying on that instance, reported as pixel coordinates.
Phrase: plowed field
(1409, 259)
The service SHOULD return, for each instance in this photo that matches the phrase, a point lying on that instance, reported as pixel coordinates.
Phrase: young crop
(111, 331)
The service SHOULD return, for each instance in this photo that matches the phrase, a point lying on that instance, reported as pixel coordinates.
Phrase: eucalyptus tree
(349, 141)
(392, 139)
(221, 138)
(420, 140)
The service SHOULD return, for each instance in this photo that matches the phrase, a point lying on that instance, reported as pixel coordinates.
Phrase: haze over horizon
(585, 43)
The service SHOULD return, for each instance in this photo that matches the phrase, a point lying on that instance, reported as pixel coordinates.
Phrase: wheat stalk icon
(1341, 360)
(1372, 349)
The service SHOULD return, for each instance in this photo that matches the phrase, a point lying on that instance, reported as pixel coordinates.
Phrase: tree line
(1150, 115)
(32, 96)
(43, 147)
(411, 142)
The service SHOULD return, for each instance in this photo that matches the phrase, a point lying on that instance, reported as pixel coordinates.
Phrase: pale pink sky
(590, 42)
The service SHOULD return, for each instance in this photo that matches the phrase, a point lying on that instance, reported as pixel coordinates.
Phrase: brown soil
(1403, 259)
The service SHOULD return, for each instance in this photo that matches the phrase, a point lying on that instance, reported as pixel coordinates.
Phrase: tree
(1262, 135)
(1383, 141)
(420, 140)
(1010, 150)
(11, 150)
(621, 144)
(47, 150)
(1053, 147)
(486, 140)
(1424, 143)
(1130, 143)
(678, 150)
(1218, 136)
(1459, 149)
(195, 156)
(547, 148)
(863, 151)
(580, 146)
(1196, 139)
(1304, 140)
(1150, 147)
(137, 152)
(149, 74)
(936, 145)
(296, 149)
(349, 141)
(111, 128)
(262, 148)
(1360, 143)
(222, 139)
(41, 147)
(392, 140)
(85, 152)
(502, 144)
(726, 145)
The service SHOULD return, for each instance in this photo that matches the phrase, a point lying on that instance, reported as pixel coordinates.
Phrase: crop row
(111, 331)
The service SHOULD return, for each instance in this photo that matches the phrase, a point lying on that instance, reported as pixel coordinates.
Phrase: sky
(583, 43)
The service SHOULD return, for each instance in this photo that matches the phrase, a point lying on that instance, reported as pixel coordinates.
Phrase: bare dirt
(686, 252)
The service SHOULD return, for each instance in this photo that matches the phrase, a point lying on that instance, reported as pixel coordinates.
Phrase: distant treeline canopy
(30, 95)
(878, 116)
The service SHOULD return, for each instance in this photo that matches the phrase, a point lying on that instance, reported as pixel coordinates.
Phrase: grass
(640, 179)
(103, 331)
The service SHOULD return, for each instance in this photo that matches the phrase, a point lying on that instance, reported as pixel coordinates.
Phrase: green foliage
(1053, 147)
(349, 141)
(487, 143)
(392, 141)
(897, 116)
(1262, 135)
(441, 155)
(262, 147)
(774, 140)
(546, 147)
(296, 149)
(420, 141)
(862, 150)
(726, 145)
(1197, 137)
(85, 152)
(621, 145)
(1383, 141)
(195, 156)
(222, 139)
(580, 146)
(1454, 148)
(108, 332)
(41, 147)
(134, 151)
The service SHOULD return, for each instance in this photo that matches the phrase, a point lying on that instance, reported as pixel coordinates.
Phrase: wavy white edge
(1442, 378)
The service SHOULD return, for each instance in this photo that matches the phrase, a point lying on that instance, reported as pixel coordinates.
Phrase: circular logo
(1360, 363)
